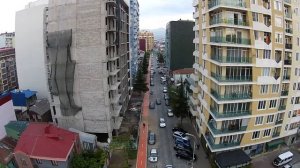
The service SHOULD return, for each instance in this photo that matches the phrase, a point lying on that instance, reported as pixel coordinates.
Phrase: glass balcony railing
(230, 129)
(232, 96)
(284, 93)
(237, 22)
(290, 30)
(231, 3)
(227, 114)
(230, 59)
(289, 46)
(282, 107)
(288, 15)
(231, 78)
(286, 77)
(278, 122)
(230, 40)
(213, 145)
(288, 62)
(276, 134)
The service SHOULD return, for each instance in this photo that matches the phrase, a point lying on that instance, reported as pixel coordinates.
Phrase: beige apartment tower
(246, 93)
(149, 39)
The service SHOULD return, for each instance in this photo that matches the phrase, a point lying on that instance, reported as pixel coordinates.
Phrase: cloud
(157, 13)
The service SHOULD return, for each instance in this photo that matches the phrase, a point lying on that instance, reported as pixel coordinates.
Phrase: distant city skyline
(153, 14)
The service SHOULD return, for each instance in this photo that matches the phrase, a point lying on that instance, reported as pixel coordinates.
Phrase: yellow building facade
(247, 73)
(149, 39)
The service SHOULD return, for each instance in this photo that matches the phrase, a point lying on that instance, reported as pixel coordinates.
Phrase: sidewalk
(143, 129)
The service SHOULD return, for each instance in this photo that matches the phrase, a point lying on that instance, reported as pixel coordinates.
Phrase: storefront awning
(232, 158)
(275, 143)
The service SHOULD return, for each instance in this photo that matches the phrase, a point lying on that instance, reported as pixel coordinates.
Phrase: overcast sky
(153, 13)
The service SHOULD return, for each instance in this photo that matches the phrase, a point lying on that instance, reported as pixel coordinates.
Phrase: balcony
(230, 40)
(282, 107)
(287, 1)
(195, 3)
(230, 129)
(288, 15)
(289, 46)
(278, 122)
(232, 96)
(231, 78)
(227, 114)
(236, 22)
(286, 77)
(288, 62)
(231, 3)
(230, 59)
(290, 31)
(275, 134)
(214, 146)
(284, 93)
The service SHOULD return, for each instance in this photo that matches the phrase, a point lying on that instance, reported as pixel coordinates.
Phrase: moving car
(153, 155)
(158, 101)
(178, 129)
(170, 113)
(151, 138)
(181, 135)
(162, 123)
(151, 105)
(185, 155)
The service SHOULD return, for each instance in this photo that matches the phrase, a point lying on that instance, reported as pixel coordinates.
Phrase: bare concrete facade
(99, 49)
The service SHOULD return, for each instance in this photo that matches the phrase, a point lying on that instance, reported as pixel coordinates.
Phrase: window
(297, 56)
(261, 105)
(255, 17)
(264, 89)
(294, 86)
(259, 120)
(256, 34)
(270, 118)
(38, 161)
(255, 134)
(253, 1)
(298, 41)
(273, 103)
(266, 72)
(278, 5)
(296, 71)
(257, 53)
(289, 115)
(267, 133)
(275, 88)
(278, 21)
(267, 54)
(54, 163)
(278, 38)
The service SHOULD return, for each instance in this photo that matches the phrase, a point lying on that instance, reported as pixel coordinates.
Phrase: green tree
(140, 84)
(145, 63)
(161, 58)
(178, 101)
(89, 159)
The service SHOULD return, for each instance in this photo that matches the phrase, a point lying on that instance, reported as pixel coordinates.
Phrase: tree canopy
(89, 159)
(140, 84)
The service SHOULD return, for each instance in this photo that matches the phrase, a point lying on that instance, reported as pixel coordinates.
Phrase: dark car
(180, 147)
(151, 105)
(167, 103)
(158, 101)
(178, 129)
(186, 155)
(151, 139)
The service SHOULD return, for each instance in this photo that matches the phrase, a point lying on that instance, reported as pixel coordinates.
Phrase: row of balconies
(231, 3)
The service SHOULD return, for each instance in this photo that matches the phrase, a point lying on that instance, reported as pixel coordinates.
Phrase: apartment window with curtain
(255, 16)
(273, 103)
(278, 38)
(266, 71)
(267, 133)
(255, 135)
(259, 120)
(275, 88)
(261, 105)
(264, 89)
(270, 118)
(278, 21)
(267, 54)
(278, 5)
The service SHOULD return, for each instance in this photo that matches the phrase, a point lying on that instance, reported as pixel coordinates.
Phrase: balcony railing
(236, 113)
(284, 93)
(278, 122)
(231, 78)
(232, 96)
(282, 107)
(238, 22)
(287, 1)
(276, 134)
(230, 59)
(290, 30)
(289, 46)
(286, 77)
(287, 62)
(230, 129)
(230, 40)
(222, 145)
(288, 15)
(231, 3)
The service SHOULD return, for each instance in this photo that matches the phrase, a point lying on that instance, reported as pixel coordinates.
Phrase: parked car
(166, 96)
(185, 155)
(186, 143)
(151, 138)
(158, 101)
(162, 123)
(179, 146)
(170, 112)
(167, 103)
(153, 155)
(178, 129)
(151, 83)
(181, 135)
(169, 166)
(151, 105)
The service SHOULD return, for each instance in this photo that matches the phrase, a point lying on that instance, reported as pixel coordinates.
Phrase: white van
(283, 158)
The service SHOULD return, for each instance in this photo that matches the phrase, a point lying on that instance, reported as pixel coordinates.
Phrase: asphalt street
(164, 141)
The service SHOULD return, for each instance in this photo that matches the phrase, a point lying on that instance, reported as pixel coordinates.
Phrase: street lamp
(193, 148)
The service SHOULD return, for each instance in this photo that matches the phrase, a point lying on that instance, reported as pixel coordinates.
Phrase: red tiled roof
(184, 71)
(46, 141)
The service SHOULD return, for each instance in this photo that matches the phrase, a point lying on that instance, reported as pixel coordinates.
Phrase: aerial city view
(150, 84)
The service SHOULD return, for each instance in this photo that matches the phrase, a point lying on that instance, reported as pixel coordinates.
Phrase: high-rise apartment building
(149, 39)
(88, 64)
(8, 73)
(7, 40)
(247, 84)
(134, 40)
(179, 44)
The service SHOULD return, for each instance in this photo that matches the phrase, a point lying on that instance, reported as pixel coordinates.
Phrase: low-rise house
(14, 129)
(88, 141)
(44, 145)
(7, 146)
(182, 74)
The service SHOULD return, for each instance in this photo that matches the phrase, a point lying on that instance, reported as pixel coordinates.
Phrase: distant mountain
(159, 33)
